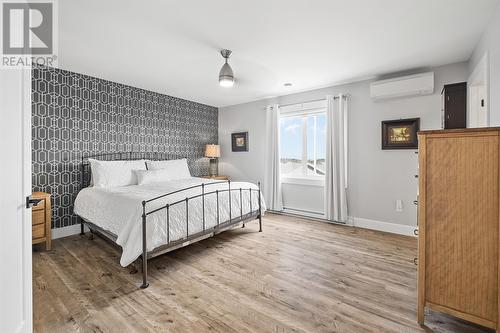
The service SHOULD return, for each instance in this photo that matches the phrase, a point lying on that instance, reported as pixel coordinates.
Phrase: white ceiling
(172, 46)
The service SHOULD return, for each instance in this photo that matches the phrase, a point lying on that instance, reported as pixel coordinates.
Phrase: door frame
(480, 73)
(27, 189)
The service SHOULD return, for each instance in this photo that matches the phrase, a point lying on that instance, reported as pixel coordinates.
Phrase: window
(303, 144)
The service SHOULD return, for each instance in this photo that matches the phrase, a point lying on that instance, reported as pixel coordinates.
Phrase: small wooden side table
(216, 177)
(42, 220)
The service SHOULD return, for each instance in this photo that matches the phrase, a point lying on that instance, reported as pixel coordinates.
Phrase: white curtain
(272, 180)
(336, 166)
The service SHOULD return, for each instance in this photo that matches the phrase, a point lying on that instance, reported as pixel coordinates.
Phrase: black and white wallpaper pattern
(75, 115)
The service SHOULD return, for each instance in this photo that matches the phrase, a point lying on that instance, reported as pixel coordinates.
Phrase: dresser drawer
(41, 220)
(38, 231)
(38, 217)
(40, 206)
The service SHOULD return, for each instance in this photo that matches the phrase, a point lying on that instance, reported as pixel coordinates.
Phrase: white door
(15, 218)
(477, 104)
(478, 84)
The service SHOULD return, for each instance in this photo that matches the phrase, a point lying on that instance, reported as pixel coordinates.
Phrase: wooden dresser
(458, 209)
(42, 220)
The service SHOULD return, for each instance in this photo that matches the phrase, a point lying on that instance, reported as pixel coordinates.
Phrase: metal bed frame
(189, 238)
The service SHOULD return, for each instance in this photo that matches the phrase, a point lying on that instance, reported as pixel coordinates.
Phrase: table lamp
(213, 153)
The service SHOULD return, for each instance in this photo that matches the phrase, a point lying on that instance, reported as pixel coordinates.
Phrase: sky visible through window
(291, 137)
(292, 144)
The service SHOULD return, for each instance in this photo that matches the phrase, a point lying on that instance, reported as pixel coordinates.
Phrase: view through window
(303, 145)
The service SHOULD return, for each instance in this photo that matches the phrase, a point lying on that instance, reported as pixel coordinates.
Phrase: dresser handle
(30, 202)
(415, 232)
(415, 202)
(415, 261)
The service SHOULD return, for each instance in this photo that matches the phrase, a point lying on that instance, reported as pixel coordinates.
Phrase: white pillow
(178, 168)
(153, 176)
(115, 173)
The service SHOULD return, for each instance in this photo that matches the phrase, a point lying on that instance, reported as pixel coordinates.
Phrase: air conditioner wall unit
(410, 85)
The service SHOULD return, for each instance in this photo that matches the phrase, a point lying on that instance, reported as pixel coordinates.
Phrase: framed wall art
(239, 141)
(400, 134)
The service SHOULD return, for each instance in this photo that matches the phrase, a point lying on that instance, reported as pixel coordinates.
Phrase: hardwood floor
(296, 276)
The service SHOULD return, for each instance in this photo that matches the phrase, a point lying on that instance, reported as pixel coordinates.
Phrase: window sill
(303, 181)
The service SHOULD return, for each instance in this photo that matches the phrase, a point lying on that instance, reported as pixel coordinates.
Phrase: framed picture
(239, 141)
(400, 134)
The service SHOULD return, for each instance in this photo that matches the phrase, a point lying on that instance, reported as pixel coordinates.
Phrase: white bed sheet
(119, 210)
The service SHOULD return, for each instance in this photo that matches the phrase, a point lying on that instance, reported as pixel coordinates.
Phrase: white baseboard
(67, 231)
(400, 229)
(394, 228)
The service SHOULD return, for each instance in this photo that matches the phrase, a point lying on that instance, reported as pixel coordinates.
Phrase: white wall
(249, 117)
(308, 199)
(490, 42)
(377, 178)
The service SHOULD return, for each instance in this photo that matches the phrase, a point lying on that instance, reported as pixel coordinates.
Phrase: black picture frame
(239, 141)
(400, 133)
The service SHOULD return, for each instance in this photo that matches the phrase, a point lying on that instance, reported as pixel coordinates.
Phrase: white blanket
(119, 210)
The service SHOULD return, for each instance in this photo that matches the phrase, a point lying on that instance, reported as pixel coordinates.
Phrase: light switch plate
(399, 205)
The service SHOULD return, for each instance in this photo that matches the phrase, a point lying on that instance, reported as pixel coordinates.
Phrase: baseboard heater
(308, 215)
(320, 214)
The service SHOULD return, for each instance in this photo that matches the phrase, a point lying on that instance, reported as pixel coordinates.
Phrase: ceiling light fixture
(226, 76)
(288, 84)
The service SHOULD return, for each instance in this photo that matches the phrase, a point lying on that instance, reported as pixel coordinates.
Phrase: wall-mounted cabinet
(454, 106)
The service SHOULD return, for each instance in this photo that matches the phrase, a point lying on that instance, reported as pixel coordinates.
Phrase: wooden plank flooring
(296, 276)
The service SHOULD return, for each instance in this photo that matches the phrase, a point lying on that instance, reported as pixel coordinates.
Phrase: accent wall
(75, 115)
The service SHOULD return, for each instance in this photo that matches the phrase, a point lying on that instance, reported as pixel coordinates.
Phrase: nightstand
(42, 220)
(216, 177)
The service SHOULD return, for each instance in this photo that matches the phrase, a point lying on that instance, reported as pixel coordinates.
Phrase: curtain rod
(345, 96)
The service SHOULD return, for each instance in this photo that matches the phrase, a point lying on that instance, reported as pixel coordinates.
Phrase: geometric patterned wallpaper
(75, 115)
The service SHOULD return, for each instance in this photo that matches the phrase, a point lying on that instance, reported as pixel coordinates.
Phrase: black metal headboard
(86, 173)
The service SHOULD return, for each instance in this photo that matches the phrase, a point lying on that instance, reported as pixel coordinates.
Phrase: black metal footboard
(206, 232)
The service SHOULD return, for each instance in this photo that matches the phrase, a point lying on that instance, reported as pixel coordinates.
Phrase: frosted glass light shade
(226, 76)
(226, 82)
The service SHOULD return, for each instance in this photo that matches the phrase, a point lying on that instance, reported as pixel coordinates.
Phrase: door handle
(30, 202)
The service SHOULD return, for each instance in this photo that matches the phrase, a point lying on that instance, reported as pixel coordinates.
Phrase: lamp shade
(212, 151)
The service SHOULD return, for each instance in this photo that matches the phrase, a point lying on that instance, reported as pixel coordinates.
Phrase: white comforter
(119, 210)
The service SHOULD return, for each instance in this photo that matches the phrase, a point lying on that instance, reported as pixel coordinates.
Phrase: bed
(150, 218)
